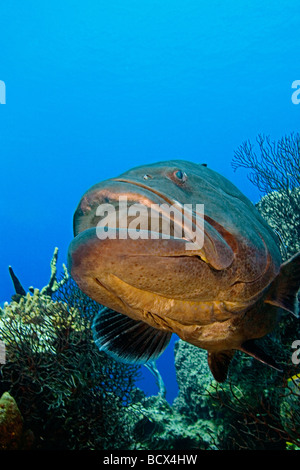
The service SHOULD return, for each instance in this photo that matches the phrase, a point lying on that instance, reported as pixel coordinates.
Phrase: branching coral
(276, 168)
(53, 284)
(48, 290)
(275, 171)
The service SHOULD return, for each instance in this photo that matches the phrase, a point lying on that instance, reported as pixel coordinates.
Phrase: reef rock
(11, 423)
(159, 426)
(194, 380)
(188, 423)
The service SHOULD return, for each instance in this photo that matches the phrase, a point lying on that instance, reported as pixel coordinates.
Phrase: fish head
(157, 240)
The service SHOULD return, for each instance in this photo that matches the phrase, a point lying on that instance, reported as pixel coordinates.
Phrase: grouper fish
(221, 296)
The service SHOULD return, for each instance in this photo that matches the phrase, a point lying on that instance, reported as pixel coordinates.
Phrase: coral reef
(190, 422)
(290, 410)
(193, 378)
(283, 217)
(256, 409)
(158, 425)
(70, 396)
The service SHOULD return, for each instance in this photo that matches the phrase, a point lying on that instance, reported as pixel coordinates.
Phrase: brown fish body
(217, 297)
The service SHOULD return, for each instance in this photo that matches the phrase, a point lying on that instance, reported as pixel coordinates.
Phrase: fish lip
(144, 186)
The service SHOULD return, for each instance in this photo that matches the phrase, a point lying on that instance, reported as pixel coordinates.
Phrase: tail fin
(283, 290)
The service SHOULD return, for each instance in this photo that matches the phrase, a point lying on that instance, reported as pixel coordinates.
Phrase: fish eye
(147, 177)
(180, 175)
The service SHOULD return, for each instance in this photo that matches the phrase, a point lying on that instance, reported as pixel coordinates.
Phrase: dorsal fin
(283, 290)
(128, 340)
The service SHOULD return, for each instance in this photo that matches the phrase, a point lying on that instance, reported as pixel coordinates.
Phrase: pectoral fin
(283, 290)
(128, 340)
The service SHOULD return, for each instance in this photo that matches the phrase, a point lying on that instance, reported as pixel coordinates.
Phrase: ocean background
(95, 88)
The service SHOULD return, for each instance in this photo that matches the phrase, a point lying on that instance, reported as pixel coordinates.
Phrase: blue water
(94, 88)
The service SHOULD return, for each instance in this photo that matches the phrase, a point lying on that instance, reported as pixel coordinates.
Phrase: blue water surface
(94, 88)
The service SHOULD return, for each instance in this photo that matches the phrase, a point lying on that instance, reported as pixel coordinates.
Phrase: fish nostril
(147, 177)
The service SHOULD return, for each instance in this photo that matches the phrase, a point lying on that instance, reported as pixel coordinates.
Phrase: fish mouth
(147, 188)
(165, 219)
